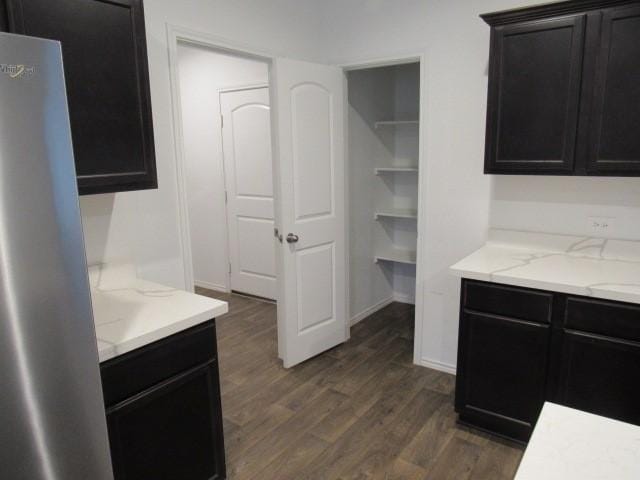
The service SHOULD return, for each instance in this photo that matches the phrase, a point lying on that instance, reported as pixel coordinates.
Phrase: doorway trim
(388, 61)
(175, 35)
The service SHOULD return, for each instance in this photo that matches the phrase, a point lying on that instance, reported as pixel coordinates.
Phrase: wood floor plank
(431, 439)
(288, 464)
(456, 461)
(498, 461)
(361, 410)
(286, 435)
(331, 428)
(403, 470)
(241, 439)
(382, 451)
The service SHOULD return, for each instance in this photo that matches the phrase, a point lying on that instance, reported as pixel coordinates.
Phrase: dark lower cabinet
(502, 379)
(520, 347)
(596, 375)
(169, 428)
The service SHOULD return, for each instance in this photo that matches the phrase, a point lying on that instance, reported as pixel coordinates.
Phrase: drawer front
(129, 374)
(521, 303)
(611, 319)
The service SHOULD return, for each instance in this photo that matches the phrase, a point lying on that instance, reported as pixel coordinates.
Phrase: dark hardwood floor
(359, 411)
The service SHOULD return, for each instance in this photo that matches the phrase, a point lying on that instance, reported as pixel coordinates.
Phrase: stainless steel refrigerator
(52, 419)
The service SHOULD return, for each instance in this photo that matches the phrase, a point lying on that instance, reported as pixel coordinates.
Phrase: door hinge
(226, 197)
(221, 121)
(229, 267)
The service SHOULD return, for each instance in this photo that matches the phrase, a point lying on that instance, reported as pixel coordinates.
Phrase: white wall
(203, 72)
(370, 96)
(142, 227)
(564, 205)
(459, 202)
(456, 194)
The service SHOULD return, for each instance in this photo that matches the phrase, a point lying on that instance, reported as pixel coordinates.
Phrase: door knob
(292, 238)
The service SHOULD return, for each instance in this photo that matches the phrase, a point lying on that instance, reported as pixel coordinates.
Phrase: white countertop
(568, 444)
(130, 313)
(596, 267)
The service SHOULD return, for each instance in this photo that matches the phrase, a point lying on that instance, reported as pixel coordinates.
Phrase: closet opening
(383, 186)
(226, 126)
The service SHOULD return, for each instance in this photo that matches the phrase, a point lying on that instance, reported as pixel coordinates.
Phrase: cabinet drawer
(136, 371)
(611, 319)
(515, 302)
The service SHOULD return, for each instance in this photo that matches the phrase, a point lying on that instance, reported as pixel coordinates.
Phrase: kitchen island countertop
(569, 444)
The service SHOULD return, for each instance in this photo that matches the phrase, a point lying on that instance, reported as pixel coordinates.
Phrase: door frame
(231, 89)
(388, 61)
(175, 35)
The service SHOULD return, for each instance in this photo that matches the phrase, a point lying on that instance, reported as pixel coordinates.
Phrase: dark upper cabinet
(534, 96)
(4, 18)
(105, 62)
(615, 123)
(564, 95)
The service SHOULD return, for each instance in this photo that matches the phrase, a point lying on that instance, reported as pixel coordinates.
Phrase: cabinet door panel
(615, 122)
(4, 18)
(532, 116)
(105, 63)
(502, 372)
(170, 431)
(598, 375)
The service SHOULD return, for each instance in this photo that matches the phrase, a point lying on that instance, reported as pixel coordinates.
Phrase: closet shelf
(382, 170)
(396, 255)
(395, 123)
(397, 213)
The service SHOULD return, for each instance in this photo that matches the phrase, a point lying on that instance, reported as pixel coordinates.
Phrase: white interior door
(309, 111)
(246, 140)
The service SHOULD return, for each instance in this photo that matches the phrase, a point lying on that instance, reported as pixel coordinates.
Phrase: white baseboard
(403, 298)
(440, 366)
(371, 310)
(211, 286)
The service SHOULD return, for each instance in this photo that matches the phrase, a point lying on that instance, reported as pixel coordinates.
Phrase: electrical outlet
(601, 224)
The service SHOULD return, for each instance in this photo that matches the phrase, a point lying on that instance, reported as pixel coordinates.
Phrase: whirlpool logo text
(16, 71)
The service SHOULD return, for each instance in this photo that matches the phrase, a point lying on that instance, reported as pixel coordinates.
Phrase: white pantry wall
(203, 72)
(143, 227)
(456, 196)
(459, 203)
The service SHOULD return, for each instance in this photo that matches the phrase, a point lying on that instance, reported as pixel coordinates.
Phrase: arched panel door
(310, 191)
